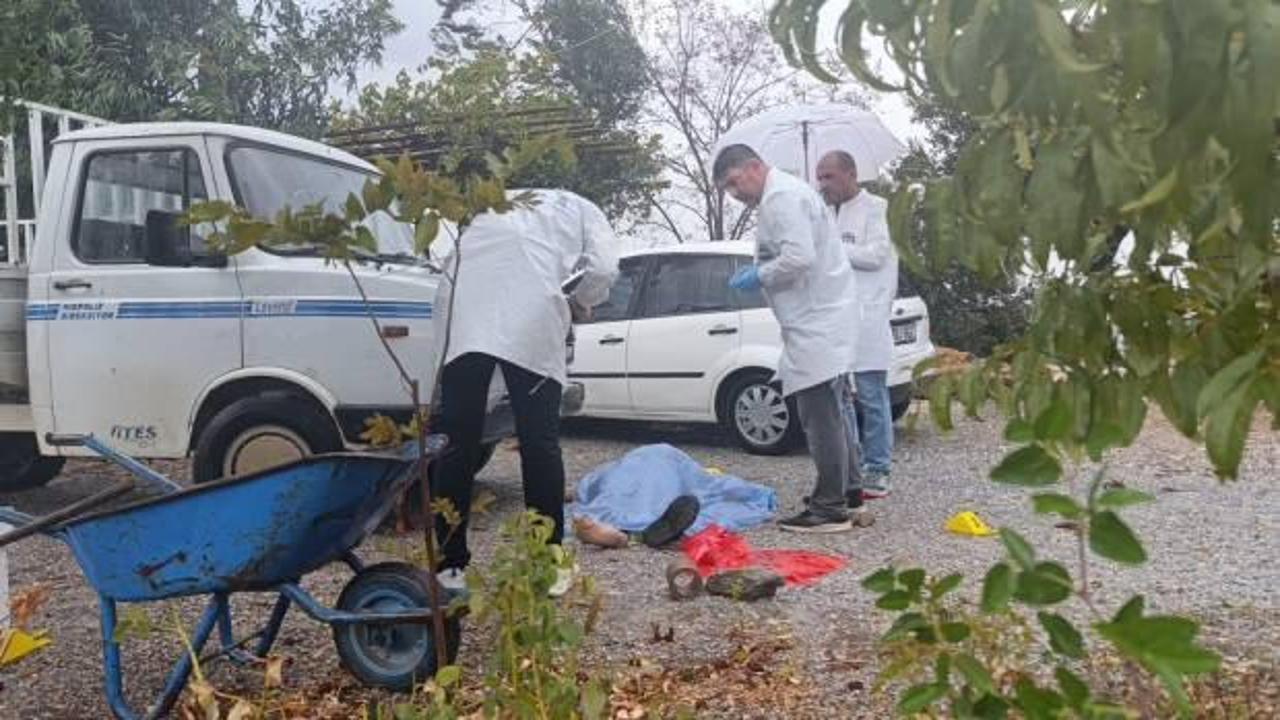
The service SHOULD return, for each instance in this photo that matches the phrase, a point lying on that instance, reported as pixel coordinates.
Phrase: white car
(675, 343)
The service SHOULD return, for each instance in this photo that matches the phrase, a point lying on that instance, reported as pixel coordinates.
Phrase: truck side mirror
(168, 243)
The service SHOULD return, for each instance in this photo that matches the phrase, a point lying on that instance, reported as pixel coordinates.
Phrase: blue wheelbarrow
(256, 533)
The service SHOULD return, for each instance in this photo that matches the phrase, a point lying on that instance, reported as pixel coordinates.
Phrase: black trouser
(464, 395)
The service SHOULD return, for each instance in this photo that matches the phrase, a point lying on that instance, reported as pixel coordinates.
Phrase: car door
(686, 327)
(135, 337)
(600, 347)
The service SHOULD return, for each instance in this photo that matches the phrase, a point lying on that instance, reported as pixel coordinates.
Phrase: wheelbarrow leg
(177, 677)
(272, 628)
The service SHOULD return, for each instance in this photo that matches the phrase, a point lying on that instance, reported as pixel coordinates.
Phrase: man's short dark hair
(731, 158)
(844, 160)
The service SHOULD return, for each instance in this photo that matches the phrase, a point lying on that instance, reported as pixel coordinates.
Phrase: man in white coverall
(800, 266)
(510, 314)
(863, 227)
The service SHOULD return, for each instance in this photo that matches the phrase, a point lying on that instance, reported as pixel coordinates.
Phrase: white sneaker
(565, 578)
(452, 579)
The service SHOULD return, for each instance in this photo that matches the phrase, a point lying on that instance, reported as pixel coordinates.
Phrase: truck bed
(13, 334)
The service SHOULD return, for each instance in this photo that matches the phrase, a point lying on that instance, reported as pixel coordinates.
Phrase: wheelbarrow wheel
(394, 657)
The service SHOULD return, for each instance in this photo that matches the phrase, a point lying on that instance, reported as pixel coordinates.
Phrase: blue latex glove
(747, 278)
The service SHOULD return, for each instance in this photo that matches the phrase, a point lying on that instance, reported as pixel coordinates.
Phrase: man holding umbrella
(800, 265)
(863, 228)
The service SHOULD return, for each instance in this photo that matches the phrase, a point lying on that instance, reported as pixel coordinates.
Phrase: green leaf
(355, 210)
(1158, 193)
(1063, 636)
(1019, 431)
(1057, 38)
(945, 585)
(1030, 466)
(991, 707)
(1058, 504)
(940, 391)
(1055, 422)
(896, 600)
(1122, 497)
(1055, 201)
(1073, 688)
(594, 701)
(906, 623)
(1131, 610)
(880, 581)
(955, 632)
(1019, 549)
(425, 232)
(1111, 538)
(1227, 429)
(1227, 380)
(1165, 645)
(977, 675)
(919, 697)
(448, 676)
(1048, 583)
(997, 588)
(912, 580)
(1037, 703)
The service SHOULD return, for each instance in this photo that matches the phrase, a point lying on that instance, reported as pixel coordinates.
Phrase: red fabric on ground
(716, 550)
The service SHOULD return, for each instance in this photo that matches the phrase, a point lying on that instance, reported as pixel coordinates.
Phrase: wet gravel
(1213, 548)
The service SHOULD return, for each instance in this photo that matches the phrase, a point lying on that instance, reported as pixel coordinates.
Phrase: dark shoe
(678, 517)
(748, 584)
(807, 522)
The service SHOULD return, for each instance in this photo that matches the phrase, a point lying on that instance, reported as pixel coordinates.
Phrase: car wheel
(22, 467)
(260, 432)
(761, 420)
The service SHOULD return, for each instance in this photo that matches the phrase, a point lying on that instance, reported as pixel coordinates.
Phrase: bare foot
(597, 533)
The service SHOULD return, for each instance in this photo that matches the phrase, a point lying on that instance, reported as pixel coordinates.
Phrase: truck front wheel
(22, 467)
(260, 432)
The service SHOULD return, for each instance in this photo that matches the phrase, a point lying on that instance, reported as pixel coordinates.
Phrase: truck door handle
(611, 340)
(722, 330)
(76, 284)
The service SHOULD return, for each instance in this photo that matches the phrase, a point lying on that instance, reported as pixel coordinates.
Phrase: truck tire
(262, 431)
(22, 467)
(759, 418)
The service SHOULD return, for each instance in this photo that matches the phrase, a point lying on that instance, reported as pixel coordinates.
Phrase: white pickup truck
(122, 324)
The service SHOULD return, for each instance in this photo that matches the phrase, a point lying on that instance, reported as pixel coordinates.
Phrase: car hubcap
(263, 447)
(761, 414)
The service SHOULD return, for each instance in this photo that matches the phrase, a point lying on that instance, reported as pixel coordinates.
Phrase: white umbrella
(795, 138)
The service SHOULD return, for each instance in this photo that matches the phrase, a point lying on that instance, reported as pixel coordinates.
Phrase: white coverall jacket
(863, 228)
(509, 302)
(808, 283)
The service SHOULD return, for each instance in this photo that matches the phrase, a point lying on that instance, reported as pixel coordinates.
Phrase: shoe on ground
(875, 486)
(808, 522)
(593, 532)
(675, 520)
(452, 579)
(565, 577)
(747, 584)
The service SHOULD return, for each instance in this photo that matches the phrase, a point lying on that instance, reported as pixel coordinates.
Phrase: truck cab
(139, 333)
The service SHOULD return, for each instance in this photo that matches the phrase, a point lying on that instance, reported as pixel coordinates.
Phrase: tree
(965, 312)
(270, 64)
(577, 77)
(710, 68)
(1125, 160)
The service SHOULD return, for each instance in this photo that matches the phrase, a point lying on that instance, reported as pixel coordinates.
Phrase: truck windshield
(266, 181)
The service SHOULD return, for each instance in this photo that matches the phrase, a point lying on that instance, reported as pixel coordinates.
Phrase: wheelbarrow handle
(146, 474)
(30, 526)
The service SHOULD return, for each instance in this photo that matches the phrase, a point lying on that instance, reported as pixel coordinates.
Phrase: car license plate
(904, 334)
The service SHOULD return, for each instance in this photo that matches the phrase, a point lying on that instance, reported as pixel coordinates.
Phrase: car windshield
(266, 181)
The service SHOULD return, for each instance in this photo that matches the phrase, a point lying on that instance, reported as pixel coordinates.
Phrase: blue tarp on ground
(632, 492)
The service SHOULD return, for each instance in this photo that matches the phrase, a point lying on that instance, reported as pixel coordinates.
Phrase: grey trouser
(822, 417)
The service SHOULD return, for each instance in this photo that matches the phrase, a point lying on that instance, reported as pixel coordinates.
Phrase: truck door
(141, 316)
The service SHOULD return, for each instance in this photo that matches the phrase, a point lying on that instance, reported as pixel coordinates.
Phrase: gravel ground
(1209, 545)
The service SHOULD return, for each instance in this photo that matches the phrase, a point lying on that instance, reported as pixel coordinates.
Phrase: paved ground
(1212, 548)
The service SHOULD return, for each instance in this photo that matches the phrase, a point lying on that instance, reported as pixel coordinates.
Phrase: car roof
(723, 247)
(123, 131)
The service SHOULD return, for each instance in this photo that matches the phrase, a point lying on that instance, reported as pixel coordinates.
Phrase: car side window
(621, 295)
(121, 190)
(747, 299)
(687, 285)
